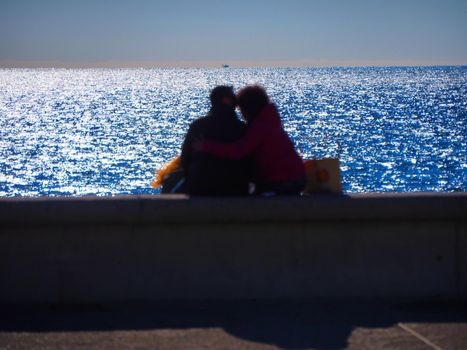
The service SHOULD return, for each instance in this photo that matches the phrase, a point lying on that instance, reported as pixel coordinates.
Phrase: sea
(74, 132)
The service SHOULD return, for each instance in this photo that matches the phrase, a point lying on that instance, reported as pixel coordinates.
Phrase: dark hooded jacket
(210, 175)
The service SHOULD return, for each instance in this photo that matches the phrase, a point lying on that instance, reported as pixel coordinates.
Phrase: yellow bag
(168, 168)
(323, 176)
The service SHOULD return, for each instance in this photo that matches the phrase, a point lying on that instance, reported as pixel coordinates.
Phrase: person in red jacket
(278, 167)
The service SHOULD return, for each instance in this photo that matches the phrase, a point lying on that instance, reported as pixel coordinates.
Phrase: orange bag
(323, 176)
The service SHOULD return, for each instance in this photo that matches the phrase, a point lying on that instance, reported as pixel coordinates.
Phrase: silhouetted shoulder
(198, 125)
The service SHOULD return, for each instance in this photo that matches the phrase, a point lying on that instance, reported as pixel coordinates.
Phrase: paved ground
(325, 324)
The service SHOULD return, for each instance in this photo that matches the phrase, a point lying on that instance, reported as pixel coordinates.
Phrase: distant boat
(225, 66)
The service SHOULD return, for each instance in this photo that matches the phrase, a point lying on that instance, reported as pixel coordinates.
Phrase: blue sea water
(105, 131)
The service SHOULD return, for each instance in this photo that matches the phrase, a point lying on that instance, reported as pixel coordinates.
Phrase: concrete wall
(112, 249)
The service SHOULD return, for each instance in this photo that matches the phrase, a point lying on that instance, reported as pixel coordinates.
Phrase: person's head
(251, 100)
(223, 96)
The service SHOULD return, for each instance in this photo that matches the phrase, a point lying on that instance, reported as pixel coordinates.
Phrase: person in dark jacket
(211, 175)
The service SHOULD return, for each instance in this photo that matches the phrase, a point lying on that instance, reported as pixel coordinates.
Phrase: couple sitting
(222, 155)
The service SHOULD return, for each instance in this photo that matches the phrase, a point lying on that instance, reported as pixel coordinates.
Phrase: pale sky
(241, 32)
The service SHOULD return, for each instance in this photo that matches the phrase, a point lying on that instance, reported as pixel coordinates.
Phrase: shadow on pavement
(324, 324)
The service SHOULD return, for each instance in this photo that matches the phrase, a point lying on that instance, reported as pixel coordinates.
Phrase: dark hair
(219, 92)
(251, 100)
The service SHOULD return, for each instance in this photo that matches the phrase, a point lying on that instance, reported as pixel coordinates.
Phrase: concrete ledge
(179, 208)
(123, 249)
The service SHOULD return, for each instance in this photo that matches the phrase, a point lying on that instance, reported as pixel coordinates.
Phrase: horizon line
(231, 63)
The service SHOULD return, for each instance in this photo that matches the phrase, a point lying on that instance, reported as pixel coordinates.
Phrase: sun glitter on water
(105, 131)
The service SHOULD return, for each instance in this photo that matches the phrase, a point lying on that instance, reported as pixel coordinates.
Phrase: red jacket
(267, 142)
